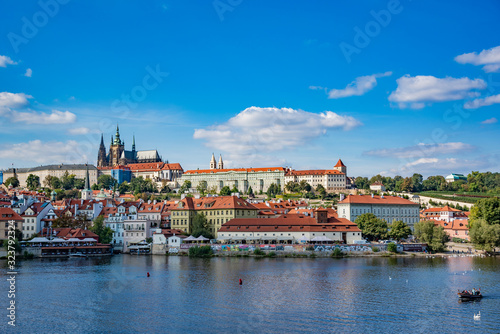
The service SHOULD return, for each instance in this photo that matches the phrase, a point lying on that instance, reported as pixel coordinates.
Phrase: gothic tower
(134, 153)
(221, 164)
(102, 160)
(116, 149)
(87, 192)
(212, 162)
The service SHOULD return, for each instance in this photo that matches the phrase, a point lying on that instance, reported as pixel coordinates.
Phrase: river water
(182, 295)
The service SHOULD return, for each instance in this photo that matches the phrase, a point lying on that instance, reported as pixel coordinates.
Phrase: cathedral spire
(133, 143)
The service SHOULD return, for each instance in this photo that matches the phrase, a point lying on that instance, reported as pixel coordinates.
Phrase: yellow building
(218, 211)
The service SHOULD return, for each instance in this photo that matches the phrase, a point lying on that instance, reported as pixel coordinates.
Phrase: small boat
(77, 255)
(468, 295)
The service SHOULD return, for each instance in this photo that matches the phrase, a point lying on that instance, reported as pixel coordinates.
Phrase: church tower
(134, 153)
(220, 164)
(102, 160)
(116, 149)
(340, 167)
(213, 164)
(87, 192)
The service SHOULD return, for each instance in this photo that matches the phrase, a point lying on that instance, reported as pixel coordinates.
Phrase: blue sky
(390, 87)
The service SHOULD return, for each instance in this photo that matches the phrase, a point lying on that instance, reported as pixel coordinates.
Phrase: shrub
(337, 252)
(259, 252)
(392, 247)
(271, 254)
(203, 251)
(28, 255)
(375, 249)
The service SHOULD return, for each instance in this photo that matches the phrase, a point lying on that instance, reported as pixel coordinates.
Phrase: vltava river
(353, 295)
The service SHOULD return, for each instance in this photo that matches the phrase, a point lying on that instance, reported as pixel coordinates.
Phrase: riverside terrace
(59, 247)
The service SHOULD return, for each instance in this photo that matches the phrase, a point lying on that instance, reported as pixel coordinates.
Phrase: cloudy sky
(391, 87)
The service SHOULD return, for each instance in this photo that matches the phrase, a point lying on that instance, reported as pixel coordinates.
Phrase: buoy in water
(241, 281)
(148, 274)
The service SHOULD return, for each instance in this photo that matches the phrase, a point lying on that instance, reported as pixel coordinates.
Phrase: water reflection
(277, 295)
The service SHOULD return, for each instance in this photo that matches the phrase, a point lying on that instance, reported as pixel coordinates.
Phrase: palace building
(117, 155)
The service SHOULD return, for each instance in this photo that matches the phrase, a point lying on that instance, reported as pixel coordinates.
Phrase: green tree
(392, 247)
(33, 182)
(407, 185)
(202, 187)
(321, 191)
(104, 232)
(250, 191)
(67, 181)
(485, 236)
(273, 190)
(185, 186)
(52, 182)
(487, 209)
(416, 181)
(304, 186)
(225, 191)
(12, 181)
(79, 183)
(399, 230)
(290, 186)
(362, 183)
(373, 228)
(234, 190)
(123, 187)
(433, 235)
(200, 227)
(106, 181)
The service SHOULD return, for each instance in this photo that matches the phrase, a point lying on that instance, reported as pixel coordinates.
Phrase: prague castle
(117, 154)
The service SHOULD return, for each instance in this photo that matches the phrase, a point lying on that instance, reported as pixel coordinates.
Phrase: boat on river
(467, 295)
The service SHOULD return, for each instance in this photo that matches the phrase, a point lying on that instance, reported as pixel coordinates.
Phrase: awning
(39, 239)
(321, 238)
(285, 237)
(266, 238)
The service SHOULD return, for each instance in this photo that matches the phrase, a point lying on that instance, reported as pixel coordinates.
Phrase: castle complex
(117, 154)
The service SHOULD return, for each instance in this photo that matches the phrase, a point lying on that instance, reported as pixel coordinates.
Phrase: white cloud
(39, 152)
(490, 121)
(79, 131)
(483, 102)
(13, 100)
(422, 150)
(28, 73)
(433, 166)
(34, 117)
(358, 87)
(9, 102)
(4, 61)
(416, 92)
(489, 58)
(256, 131)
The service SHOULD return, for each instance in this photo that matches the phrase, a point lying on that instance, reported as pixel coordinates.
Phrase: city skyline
(263, 85)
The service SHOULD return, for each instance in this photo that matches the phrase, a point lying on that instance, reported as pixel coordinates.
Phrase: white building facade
(388, 208)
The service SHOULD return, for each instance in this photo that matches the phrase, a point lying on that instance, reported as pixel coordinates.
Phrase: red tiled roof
(340, 164)
(457, 224)
(314, 172)
(288, 223)
(214, 203)
(154, 166)
(7, 214)
(368, 199)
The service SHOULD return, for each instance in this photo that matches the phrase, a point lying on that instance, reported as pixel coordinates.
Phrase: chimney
(149, 201)
(342, 196)
(183, 196)
(373, 195)
(154, 202)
